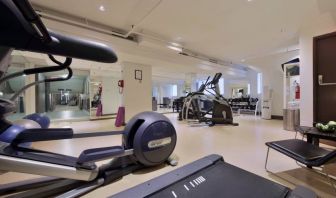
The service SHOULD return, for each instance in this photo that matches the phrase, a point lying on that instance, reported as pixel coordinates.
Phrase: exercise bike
(148, 139)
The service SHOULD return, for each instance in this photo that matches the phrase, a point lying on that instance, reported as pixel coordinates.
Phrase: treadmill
(211, 177)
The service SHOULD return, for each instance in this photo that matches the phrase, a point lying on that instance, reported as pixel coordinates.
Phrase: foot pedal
(172, 160)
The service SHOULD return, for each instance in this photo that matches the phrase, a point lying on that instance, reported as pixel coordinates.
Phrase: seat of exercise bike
(23, 29)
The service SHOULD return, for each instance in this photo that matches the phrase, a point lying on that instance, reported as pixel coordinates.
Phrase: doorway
(324, 88)
(324, 78)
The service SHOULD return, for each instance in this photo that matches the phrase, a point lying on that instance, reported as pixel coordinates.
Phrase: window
(155, 92)
(221, 86)
(259, 82)
(174, 90)
(198, 84)
(248, 89)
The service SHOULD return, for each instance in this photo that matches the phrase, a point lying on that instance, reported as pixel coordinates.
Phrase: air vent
(213, 61)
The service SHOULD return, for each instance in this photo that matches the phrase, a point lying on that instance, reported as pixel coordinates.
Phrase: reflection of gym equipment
(212, 177)
(64, 98)
(73, 101)
(148, 139)
(96, 102)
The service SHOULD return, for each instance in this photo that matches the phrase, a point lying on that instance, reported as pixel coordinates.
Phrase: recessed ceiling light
(102, 8)
(175, 48)
(175, 44)
(242, 60)
(249, 0)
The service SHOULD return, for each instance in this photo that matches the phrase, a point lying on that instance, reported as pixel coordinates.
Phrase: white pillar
(137, 95)
(29, 95)
(227, 88)
(190, 82)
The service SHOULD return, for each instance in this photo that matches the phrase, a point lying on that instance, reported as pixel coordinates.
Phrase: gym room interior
(151, 89)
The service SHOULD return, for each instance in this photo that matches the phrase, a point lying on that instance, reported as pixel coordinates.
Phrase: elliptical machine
(220, 112)
(148, 139)
(190, 108)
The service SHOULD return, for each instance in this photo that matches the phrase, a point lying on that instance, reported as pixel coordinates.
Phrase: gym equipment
(190, 108)
(148, 139)
(244, 104)
(27, 124)
(220, 112)
(40, 118)
(212, 177)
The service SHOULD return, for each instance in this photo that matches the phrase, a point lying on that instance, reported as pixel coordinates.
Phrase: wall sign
(138, 75)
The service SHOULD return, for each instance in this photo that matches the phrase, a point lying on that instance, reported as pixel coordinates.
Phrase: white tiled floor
(243, 146)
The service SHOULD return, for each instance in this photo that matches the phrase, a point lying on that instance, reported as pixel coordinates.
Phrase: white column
(227, 88)
(190, 82)
(29, 95)
(160, 90)
(137, 95)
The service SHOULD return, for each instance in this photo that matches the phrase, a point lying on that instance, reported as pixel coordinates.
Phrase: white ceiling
(230, 30)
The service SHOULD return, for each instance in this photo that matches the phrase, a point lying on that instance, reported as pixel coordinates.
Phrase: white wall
(29, 97)
(232, 82)
(272, 76)
(165, 89)
(252, 80)
(137, 96)
(322, 25)
(111, 98)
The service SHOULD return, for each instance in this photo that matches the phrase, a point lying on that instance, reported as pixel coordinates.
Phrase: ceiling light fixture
(179, 49)
(175, 44)
(102, 8)
(242, 60)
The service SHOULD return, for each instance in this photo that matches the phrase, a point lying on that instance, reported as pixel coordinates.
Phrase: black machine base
(50, 187)
(212, 177)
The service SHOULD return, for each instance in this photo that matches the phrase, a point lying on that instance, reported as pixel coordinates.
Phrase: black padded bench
(303, 152)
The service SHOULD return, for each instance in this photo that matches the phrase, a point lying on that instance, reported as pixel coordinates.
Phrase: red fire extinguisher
(297, 91)
(121, 86)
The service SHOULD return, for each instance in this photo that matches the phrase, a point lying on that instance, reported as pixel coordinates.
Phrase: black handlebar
(21, 28)
(207, 80)
(30, 15)
(61, 66)
(216, 78)
(36, 135)
(70, 73)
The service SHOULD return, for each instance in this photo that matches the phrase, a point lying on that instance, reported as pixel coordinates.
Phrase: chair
(305, 153)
